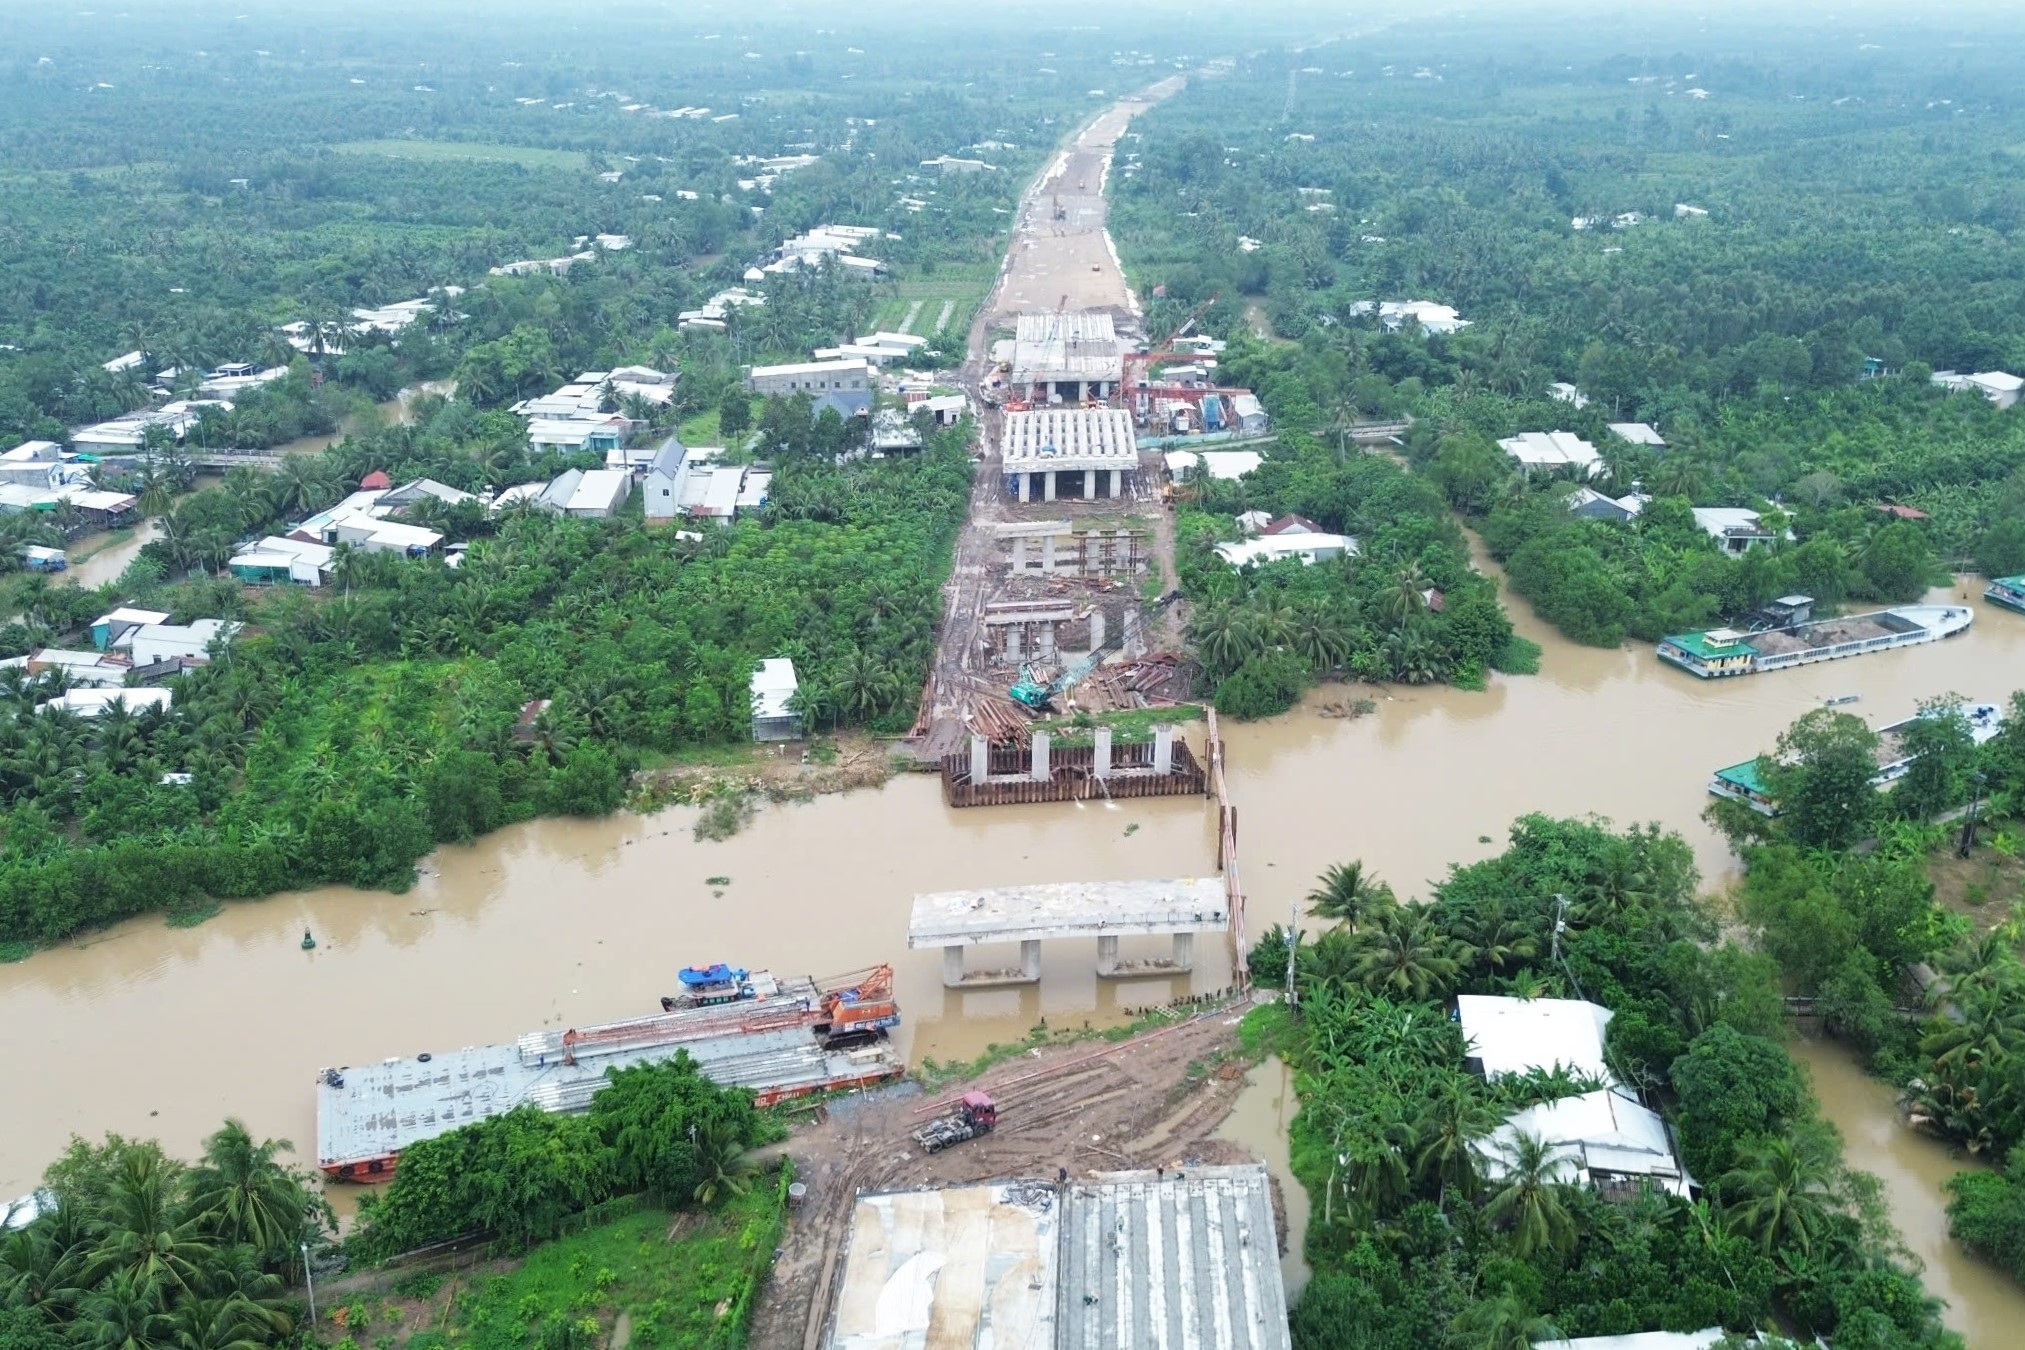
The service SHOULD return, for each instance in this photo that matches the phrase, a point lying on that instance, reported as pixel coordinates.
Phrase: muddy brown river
(149, 1030)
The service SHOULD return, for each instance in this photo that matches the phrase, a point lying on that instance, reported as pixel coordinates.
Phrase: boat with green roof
(1745, 783)
(2008, 592)
(1721, 652)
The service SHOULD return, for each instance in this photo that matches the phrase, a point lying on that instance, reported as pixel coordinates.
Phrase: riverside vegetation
(1855, 226)
(1858, 930)
(346, 733)
(1422, 1236)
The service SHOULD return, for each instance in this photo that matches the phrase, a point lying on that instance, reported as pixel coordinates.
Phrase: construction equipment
(1035, 696)
(857, 1012)
(975, 1114)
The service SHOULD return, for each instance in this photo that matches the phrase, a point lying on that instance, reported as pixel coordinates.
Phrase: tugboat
(708, 986)
(2008, 592)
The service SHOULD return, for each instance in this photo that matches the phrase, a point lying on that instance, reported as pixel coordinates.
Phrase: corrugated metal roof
(1188, 1261)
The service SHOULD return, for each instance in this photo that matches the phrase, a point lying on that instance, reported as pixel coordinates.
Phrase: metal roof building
(1117, 1261)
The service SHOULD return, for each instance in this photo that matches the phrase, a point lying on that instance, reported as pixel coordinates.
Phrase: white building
(1549, 450)
(809, 377)
(1563, 392)
(1638, 433)
(1224, 465)
(1641, 1340)
(1394, 315)
(151, 643)
(1287, 537)
(1736, 528)
(773, 687)
(278, 561)
(662, 500)
(31, 463)
(96, 702)
(1248, 415)
(1604, 1137)
(589, 493)
(2000, 388)
(579, 435)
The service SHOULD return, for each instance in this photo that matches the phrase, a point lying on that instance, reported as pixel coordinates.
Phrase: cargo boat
(1742, 783)
(792, 1037)
(2008, 592)
(1721, 652)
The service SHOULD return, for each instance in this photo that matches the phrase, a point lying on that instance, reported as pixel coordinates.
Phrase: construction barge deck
(790, 1038)
(1723, 652)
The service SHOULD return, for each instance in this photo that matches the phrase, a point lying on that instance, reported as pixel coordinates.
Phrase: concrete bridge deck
(1105, 910)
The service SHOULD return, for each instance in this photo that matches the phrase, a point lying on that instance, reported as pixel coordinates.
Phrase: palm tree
(1346, 893)
(1319, 637)
(1405, 956)
(1987, 1028)
(863, 686)
(1495, 934)
(1531, 1196)
(124, 1313)
(1503, 1323)
(147, 1240)
(1679, 475)
(1406, 597)
(723, 1164)
(304, 484)
(1224, 635)
(1782, 1190)
(242, 1194)
(1449, 1127)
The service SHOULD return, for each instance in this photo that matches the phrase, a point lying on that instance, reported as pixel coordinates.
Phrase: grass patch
(693, 1292)
(934, 1074)
(527, 156)
(1133, 726)
(1520, 656)
(702, 429)
(189, 916)
(10, 952)
(108, 540)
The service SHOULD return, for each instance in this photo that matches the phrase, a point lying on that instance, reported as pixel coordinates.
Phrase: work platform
(1105, 910)
(1008, 775)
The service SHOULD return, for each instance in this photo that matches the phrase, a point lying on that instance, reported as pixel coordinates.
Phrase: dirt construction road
(1051, 262)
(1153, 1101)
(1061, 257)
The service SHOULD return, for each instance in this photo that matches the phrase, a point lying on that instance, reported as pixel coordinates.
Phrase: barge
(1743, 783)
(789, 1037)
(2008, 592)
(1722, 652)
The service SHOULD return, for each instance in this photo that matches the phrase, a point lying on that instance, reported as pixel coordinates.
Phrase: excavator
(1033, 695)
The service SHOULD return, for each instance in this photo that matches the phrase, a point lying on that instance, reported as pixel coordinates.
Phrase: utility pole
(1293, 949)
(1560, 922)
(309, 1280)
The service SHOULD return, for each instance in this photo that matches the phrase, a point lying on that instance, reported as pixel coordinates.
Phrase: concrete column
(1026, 487)
(1048, 554)
(1019, 552)
(1050, 489)
(1030, 959)
(1117, 483)
(1041, 772)
(1107, 954)
(1089, 488)
(1046, 645)
(1102, 752)
(1163, 748)
(980, 759)
(1184, 951)
(1096, 629)
(1015, 649)
(952, 967)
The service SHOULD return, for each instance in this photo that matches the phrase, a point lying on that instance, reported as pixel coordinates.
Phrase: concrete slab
(1068, 909)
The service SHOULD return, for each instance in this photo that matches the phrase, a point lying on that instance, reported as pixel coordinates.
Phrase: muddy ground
(1154, 1100)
